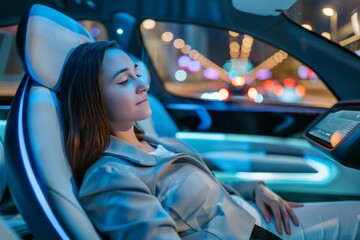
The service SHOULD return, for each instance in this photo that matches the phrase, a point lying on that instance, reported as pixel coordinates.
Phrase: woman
(134, 186)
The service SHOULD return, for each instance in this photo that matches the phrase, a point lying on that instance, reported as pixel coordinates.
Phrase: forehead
(114, 59)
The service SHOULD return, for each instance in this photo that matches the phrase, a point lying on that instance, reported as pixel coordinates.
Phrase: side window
(11, 71)
(217, 65)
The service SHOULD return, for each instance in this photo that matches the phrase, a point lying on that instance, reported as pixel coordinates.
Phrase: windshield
(219, 65)
(337, 20)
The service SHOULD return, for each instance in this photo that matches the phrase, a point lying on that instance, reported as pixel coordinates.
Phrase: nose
(142, 85)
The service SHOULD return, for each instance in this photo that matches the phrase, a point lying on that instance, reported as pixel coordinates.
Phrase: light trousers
(318, 221)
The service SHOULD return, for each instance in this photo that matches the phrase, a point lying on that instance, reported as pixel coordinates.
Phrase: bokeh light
(224, 94)
(194, 66)
(263, 74)
(278, 90)
(307, 26)
(268, 85)
(183, 61)
(167, 36)
(119, 31)
(303, 72)
(289, 82)
(211, 73)
(238, 81)
(328, 11)
(252, 92)
(95, 31)
(148, 24)
(259, 98)
(233, 34)
(300, 90)
(186, 49)
(180, 75)
(179, 43)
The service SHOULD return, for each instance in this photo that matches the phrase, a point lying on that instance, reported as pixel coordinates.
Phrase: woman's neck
(130, 137)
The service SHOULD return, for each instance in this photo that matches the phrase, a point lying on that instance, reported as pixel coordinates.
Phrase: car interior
(39, 196)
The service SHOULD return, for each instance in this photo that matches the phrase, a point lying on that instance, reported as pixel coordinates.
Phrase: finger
(293, 216)
(264, 212)
(285, 217)
(295, 204)
(277, 216)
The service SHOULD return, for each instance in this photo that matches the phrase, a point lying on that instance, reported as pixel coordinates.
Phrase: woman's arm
(246, 188)
(121, 206)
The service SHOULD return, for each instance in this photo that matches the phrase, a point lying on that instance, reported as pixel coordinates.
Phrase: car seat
(39, 177)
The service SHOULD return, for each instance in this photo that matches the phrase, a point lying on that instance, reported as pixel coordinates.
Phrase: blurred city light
(211, 73)
(194, 66)
(119, 31)
(148, 24)
(233, 34)
(252, 92)
(183, 61)
(238, 81)
(167, 36)
(289, 82)
(263, 74)
(179, 43)
(224, 94)
(328, 11)
(95, 31)
(307, 26)
(180, 75)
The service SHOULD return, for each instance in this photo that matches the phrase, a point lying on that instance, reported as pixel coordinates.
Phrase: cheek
(116, 105)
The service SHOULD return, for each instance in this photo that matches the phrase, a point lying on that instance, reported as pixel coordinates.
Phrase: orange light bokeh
(300, 90)
(289, 82)
(278, 90)
(238, 81)
(224, 94)
(252, 92)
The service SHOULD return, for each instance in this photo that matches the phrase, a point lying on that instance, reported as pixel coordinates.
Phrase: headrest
(44, 39)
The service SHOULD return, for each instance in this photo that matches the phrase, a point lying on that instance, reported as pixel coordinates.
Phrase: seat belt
(259, 233)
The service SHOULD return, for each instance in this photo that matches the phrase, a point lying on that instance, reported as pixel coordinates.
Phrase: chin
(146, 115)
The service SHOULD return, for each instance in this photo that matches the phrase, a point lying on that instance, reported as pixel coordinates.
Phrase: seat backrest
(39, 177)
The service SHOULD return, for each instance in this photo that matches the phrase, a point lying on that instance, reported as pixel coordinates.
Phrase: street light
(330, 12)
(355, 23)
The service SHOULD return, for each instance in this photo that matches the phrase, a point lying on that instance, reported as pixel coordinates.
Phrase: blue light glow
(31, 175)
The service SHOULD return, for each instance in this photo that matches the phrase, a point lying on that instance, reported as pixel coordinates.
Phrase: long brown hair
(87, 132)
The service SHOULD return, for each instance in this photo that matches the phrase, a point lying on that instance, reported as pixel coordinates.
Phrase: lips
(142, 101)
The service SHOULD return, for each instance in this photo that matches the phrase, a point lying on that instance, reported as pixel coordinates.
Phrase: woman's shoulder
(106, 164)
(109, 174)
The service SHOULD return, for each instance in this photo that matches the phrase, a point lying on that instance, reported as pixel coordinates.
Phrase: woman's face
(124, 93)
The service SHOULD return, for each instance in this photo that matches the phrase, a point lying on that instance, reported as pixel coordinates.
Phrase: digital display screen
(335, 126)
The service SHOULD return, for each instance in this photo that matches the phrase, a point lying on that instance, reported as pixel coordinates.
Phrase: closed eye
(123, 83)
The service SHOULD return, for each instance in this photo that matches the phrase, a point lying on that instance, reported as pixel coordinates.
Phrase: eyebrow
(123, 70)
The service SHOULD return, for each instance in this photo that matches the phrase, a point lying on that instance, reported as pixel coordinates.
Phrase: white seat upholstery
(40, 179)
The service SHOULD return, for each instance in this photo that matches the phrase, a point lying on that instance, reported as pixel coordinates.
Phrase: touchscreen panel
(335, 126)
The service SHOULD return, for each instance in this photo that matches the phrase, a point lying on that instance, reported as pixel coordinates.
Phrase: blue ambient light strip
(31, 176)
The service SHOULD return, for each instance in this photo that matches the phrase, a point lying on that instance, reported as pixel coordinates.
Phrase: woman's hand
(266, 200)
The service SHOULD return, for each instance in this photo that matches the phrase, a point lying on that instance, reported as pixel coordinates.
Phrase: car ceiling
(277, 30)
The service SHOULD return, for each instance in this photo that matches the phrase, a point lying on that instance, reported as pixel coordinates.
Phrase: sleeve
(121, 206)
(245, 188)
